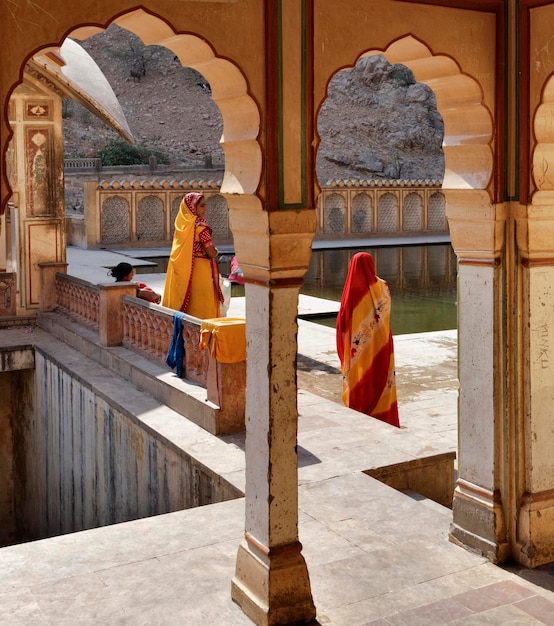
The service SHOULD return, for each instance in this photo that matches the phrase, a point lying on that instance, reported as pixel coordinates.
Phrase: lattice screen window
(174, 211)
(114, 226)
(218, 216)
(150, 219)
(333, 216)
(362, 213)
(412, 212)
(387, 214)
(436, 213)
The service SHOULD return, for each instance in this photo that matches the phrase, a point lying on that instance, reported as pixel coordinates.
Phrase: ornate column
(271, 582)
(273, 234)
(477, 232)
(533, 482)
(36, 119)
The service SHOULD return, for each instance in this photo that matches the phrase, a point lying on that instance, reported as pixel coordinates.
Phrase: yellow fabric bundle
(225, 338)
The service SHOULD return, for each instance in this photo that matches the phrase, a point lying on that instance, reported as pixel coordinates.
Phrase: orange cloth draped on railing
(225, 338)
(364, 342)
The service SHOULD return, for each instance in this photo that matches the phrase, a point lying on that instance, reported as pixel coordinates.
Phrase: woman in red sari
(364, 342)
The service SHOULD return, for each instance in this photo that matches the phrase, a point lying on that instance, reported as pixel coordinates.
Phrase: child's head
(122, 271)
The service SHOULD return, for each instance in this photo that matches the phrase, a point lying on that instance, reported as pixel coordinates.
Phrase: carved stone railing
(148, 330)
(83, 164)
(77, 298)
(120, 318)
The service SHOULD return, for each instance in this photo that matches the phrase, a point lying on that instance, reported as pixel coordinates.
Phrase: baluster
(125, 322)
(150, 333)
(156, 336)
(143, 332)
(88, 305)
(96, 308)
(134, 330)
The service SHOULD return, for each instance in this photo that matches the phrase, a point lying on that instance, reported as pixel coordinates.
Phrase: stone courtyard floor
(375, 556)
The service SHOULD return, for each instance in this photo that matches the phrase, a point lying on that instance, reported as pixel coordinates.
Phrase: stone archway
(241, 118)
(543, 154)
(468, 128)
(270, 556)
(468, 135)
(468, 125)
(477, 227)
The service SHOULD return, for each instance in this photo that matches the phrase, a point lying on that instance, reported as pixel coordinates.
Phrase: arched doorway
(241, 122)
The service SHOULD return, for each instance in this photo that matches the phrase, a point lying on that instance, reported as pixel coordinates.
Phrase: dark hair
(121, 270)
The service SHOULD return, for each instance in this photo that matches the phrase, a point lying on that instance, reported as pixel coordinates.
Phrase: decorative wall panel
(150, 219)
(114, 226)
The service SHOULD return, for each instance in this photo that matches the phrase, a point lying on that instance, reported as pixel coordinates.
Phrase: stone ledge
(184, 397)
(432, 476)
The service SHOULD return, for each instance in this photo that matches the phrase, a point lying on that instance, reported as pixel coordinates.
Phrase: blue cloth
(177, 348)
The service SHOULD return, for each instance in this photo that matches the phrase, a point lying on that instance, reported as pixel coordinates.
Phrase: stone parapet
(115, 317)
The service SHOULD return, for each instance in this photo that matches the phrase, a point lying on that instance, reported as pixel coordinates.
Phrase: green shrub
(119, 152)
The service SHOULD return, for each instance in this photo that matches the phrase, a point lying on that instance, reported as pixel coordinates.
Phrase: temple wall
(80, 461)
(140, 212)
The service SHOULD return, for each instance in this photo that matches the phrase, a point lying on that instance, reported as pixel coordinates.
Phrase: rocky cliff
(377, 121)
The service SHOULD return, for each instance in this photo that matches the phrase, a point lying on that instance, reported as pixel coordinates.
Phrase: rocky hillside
(377, 122)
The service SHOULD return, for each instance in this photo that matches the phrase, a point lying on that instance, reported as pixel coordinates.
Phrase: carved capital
(273, 247)
(535, 230)
(476, 225)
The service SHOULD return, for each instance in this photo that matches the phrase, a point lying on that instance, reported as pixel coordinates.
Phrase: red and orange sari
(364, 342)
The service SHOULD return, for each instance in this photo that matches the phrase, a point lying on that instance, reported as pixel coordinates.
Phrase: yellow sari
(190, 282)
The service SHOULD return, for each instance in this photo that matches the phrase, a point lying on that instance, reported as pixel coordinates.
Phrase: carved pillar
(271, 582)
(92, 214)
(36, 119)
(273, 244)
(534, 479)
(477, 232)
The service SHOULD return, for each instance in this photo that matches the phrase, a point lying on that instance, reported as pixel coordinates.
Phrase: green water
(422, 281)
(415, 315)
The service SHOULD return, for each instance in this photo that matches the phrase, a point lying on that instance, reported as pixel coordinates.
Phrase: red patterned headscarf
(192, 199)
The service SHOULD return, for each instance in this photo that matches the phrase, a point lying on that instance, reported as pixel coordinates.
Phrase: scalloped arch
(241, 117)
(543, 154)
(468, 126)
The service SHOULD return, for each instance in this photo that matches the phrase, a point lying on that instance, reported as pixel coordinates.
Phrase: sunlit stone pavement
(375, 556)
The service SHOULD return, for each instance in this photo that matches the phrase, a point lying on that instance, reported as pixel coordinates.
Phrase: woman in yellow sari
(192, 279)
(364, 342)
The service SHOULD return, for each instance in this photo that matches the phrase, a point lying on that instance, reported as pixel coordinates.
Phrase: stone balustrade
(359, 208)
(141, 211)
(121, 319)
(76, 297)
(148, 329)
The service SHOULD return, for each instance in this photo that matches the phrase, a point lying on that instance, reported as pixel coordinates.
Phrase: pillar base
(272, 586)
(536, 534)
(478, 522)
